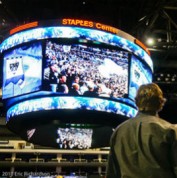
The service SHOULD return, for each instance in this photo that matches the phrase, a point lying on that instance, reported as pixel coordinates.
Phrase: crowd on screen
(74, 138)
(81, 70)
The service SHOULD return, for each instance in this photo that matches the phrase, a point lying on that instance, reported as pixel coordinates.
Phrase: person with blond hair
(144, 146)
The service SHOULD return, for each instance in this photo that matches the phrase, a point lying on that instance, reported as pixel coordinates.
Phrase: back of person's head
(149, 98)
(75, 86)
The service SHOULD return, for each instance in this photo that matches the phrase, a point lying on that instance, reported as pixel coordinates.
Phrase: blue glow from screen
(75, 32)
(22, 70)
(139, 74)
(69, 102)
(88, 71)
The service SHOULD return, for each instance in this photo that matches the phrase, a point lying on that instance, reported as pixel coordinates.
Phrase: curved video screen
(120, 106)
(91, 35)
(71, 74)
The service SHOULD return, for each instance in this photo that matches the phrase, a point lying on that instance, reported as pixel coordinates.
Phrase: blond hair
(149, 98)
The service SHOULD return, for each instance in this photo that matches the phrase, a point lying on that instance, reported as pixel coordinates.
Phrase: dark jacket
(143, 147)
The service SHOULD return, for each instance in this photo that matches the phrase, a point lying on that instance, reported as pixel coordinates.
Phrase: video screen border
(75, 32)
(73, 103)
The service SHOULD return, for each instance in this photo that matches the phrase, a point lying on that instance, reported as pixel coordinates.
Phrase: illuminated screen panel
(74, 138)
(68, 102)
(139, 74)
(62, 137)
(70, 137)
(22, 70)
(85, 70)
(75, 32)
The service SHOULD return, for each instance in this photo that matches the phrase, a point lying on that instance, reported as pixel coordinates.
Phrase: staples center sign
(71, 22)
(90, 24)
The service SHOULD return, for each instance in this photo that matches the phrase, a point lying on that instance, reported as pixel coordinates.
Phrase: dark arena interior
(30, 143)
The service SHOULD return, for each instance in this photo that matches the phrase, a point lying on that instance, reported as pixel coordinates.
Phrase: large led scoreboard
(71, 78)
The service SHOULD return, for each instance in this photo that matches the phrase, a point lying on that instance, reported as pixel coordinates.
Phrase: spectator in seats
(54, 70)
(62, 86)
(76, 80)
(83, 87)
(75, 89)
(144, 146)
(91, 91)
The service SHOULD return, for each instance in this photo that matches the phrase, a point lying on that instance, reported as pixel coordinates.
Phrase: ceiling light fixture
(150, 41)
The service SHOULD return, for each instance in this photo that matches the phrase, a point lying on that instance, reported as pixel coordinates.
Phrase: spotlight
(150, 41)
